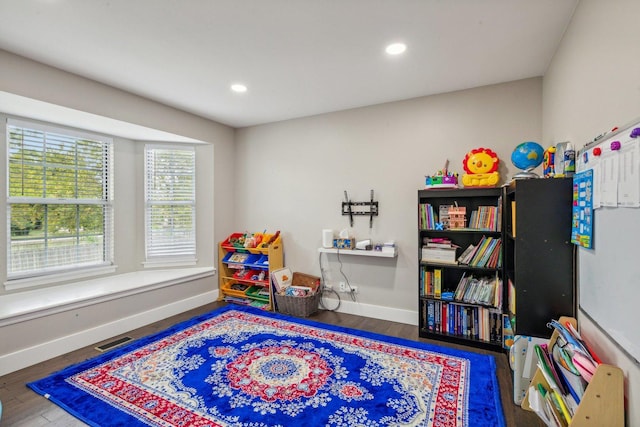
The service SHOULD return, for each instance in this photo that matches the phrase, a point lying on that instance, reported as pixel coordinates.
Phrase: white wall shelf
(360, 252)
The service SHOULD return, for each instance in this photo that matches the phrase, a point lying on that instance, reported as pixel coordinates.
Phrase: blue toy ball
(527, 156)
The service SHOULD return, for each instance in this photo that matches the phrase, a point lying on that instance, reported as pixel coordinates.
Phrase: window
(59, 204)
(170, 197)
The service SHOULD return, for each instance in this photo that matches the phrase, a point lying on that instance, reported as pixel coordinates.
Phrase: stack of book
(485, 218)
(486, 254)
(476, 322)
(485, 291)
(431, 282)
(427, 216)
(439, 250)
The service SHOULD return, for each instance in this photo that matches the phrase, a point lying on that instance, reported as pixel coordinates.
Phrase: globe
(527, 156)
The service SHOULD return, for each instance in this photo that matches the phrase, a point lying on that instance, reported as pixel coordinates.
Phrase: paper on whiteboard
(609, 173)
(629, 178)
(597, 186)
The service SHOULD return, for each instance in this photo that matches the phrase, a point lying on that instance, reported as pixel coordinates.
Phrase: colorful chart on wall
(582, 217)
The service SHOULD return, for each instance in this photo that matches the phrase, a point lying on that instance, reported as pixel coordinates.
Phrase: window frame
(52, 273)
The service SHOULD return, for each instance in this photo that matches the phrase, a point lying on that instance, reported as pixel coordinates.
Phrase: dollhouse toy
(457, 217)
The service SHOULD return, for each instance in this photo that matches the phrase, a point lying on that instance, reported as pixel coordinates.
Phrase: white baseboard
(30, 356)
(409, 317)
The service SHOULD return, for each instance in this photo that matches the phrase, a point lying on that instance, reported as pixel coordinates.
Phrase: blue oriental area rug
(242, 367)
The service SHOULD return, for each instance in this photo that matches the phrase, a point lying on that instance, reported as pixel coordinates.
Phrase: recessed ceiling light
(238, 87)
(396, 48)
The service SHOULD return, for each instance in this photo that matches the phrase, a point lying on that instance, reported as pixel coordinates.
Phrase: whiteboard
(609, 274)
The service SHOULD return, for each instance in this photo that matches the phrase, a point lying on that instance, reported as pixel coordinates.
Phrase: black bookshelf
(540, 259)
(471, 199)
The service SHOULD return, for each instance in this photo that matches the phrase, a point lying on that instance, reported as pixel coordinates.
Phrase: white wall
(291, 176)
(592, 85)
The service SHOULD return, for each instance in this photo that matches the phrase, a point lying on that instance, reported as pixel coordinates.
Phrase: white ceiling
(297, 57)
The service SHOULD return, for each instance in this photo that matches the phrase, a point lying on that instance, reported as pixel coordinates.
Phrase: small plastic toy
(442, 179)
(549, 162)
(481, 167)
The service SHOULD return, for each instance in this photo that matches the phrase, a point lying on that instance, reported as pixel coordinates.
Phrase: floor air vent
(113, 344)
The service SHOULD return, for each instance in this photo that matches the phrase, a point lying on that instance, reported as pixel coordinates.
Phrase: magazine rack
(603, 400)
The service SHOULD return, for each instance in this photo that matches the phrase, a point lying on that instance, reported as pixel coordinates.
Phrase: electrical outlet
(343, 287)
(328, 286)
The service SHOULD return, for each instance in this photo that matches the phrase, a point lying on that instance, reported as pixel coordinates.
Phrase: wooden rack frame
(602, 402)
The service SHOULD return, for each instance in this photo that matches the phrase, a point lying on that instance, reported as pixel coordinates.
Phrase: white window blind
(59, 208)
(170, 196)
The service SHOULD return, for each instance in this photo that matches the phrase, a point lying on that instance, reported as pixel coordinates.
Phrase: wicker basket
(300, 306)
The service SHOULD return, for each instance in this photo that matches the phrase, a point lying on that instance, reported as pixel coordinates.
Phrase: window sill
(22, 306)
(52, 279)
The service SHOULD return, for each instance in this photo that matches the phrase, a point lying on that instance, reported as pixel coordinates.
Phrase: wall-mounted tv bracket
(350, 208)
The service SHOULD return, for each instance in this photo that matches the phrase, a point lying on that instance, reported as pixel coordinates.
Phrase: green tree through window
(59, 199)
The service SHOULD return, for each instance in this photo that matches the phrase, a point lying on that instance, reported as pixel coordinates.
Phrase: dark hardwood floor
(23, 407)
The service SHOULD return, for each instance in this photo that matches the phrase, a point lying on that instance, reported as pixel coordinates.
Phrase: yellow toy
(549, 162)
(481, 167)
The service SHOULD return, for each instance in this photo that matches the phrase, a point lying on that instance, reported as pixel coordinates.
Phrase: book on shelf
(494, 259)
(462, 284)
(465, 256)
(430, 315)
(487, 253)
(426, 282)
(443, 211)
(427, 216)
(487, 218)
(486, 291)
(493, 244)
(437, 283)
(439, 255)
(439, 242)
(482, 247)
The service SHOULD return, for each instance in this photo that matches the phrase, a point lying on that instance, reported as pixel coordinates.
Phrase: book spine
(437, 283)
(476, 323)
(452, 318)
(430, 316)
(444, 317)
(476, 258)
(482, 262)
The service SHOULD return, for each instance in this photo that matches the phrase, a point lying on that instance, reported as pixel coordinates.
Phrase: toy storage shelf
(245, 272)
(359, 252)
